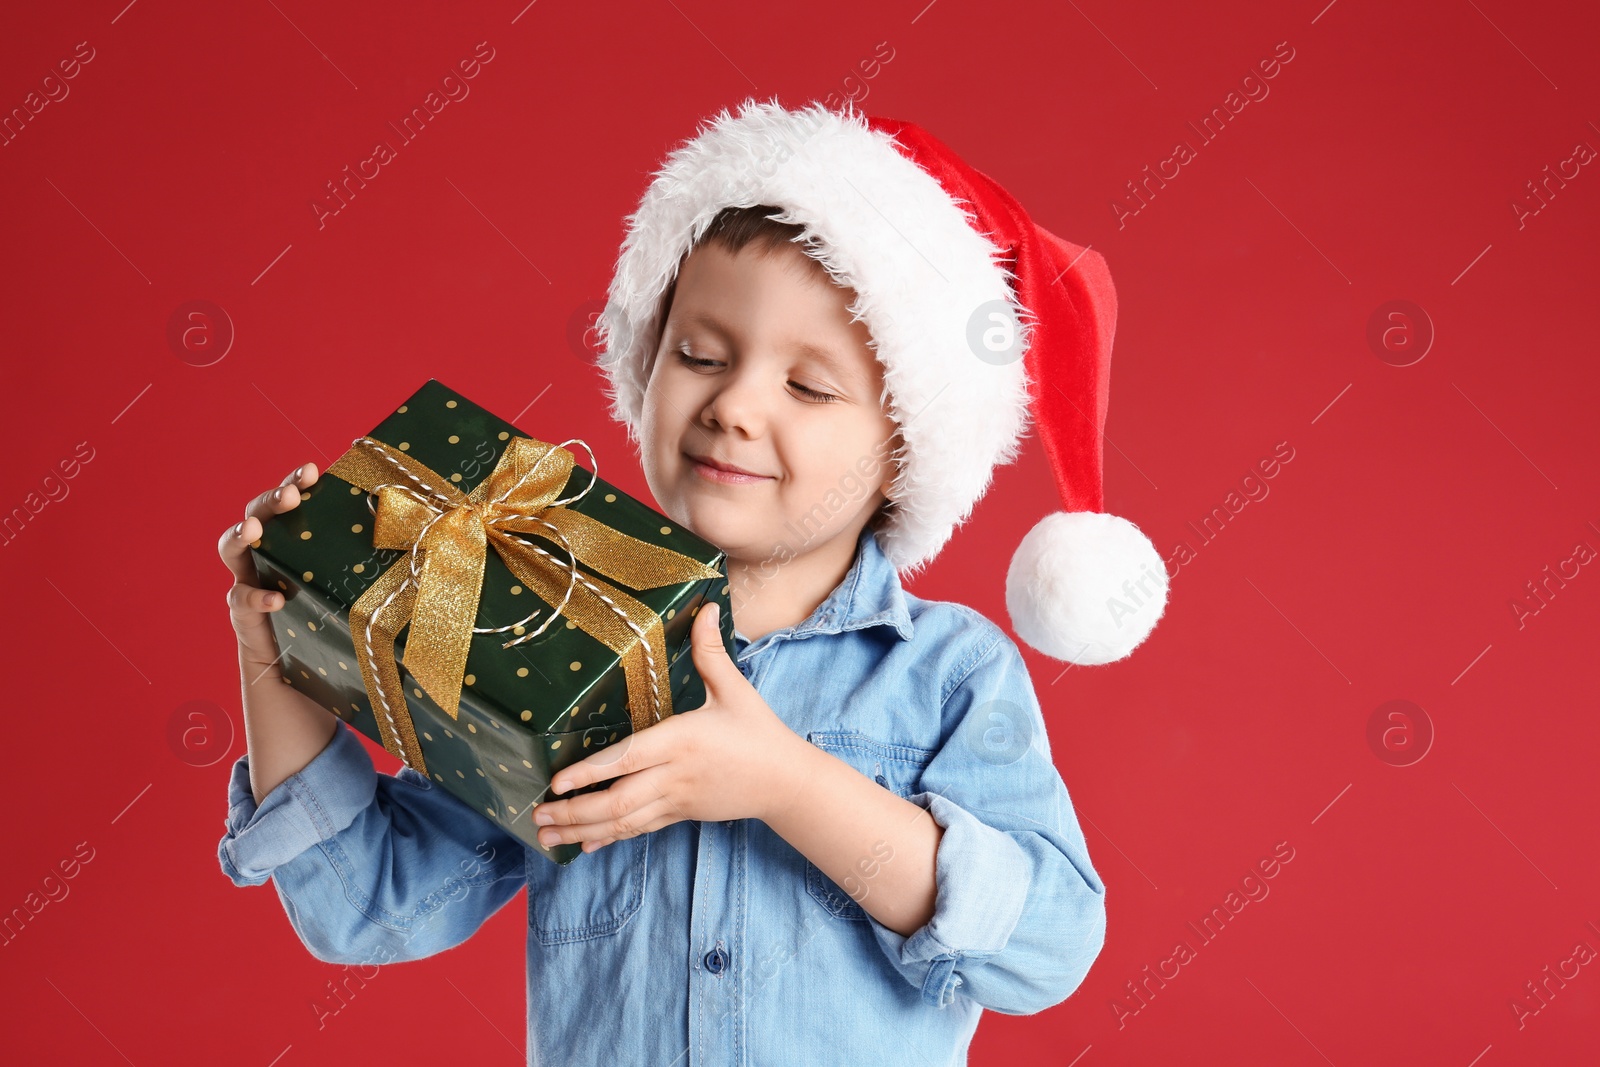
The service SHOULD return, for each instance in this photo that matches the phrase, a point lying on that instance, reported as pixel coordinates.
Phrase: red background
(1421, 499)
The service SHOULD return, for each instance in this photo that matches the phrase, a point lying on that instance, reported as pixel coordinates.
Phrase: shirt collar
(870, 594)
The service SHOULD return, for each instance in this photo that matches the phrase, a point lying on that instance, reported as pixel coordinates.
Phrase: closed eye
(825, 398)
(816, 394)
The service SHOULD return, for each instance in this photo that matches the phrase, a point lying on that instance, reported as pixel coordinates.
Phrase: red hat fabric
(1070, 304)
(984, 322)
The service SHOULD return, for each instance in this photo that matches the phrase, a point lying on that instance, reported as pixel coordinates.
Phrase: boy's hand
(722, 761)
(248, 603)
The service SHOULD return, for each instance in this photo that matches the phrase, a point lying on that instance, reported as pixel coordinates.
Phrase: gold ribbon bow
(435, 587)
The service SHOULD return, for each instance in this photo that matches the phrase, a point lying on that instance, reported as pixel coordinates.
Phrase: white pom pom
(1085, 587)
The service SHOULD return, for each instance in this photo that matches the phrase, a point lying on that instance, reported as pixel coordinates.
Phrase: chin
(716, 528)
(731, 527)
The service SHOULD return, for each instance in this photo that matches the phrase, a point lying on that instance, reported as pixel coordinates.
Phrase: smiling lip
(726, 473)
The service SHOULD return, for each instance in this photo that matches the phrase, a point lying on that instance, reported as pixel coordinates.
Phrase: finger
(286, 496)
(274, 502)
(631, 824)
(246, 599)
(605, 805)
(595, 846)
(303, 476)
(234, 543)
(249, 607)
(234, 548)
(635, 752)
(709, 653)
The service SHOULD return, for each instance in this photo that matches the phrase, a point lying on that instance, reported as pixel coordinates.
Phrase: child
(860, 841)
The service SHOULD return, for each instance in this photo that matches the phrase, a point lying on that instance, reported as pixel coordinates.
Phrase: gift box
(485, 607)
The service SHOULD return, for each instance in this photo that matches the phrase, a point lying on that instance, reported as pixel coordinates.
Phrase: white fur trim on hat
(1085, 587)
(879, 224)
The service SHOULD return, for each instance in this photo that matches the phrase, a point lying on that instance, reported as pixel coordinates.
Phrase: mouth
(723, 473)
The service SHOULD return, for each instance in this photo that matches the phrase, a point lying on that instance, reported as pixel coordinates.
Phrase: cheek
(662, 416)
(872, 444)
(838, 455)
(650, 431)
(655, 446)
(666, 391)
(657, 402)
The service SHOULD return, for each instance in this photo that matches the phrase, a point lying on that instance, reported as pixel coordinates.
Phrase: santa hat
(983, 322)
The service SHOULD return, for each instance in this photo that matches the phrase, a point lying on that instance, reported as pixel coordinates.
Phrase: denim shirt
(719, 943)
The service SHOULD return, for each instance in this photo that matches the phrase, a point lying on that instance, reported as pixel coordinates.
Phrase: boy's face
(734, 381)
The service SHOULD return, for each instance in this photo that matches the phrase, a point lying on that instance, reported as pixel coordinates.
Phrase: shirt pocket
(593, 896)
(895, 766)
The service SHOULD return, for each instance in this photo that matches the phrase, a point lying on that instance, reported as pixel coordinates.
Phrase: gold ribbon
(436, 586)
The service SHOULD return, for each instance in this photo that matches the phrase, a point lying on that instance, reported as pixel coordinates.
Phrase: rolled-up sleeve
(1019, 913)
(306, 808)
(370, 868)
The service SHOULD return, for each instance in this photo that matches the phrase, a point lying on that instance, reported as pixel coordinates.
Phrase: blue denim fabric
(718, 943)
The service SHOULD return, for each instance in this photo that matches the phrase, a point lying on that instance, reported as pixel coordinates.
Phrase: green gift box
(529, 702)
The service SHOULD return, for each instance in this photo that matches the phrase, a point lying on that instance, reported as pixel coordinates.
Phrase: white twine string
(570, 566)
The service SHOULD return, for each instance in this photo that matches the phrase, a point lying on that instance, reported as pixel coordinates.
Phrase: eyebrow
(821, 354)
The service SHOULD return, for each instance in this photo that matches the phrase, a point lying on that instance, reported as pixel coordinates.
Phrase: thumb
(709, 653)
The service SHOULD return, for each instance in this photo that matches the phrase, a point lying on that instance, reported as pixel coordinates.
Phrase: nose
(737, 403)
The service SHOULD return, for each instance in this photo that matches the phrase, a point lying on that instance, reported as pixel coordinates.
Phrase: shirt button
(715, 960)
